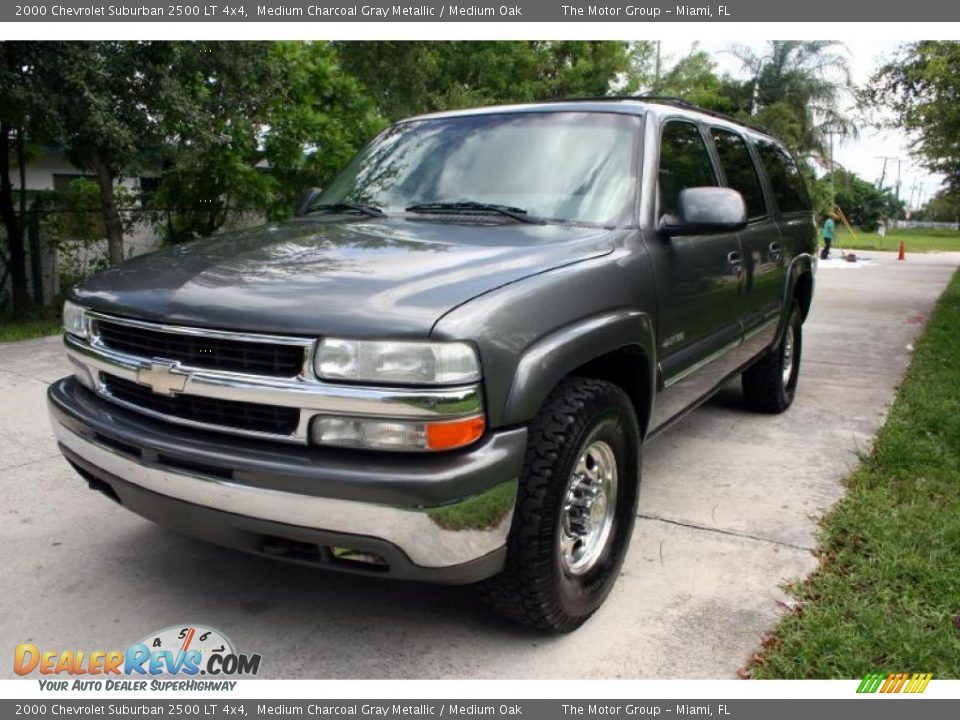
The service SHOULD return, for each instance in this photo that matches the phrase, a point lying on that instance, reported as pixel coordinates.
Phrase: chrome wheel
(589, 508)
(788, 347)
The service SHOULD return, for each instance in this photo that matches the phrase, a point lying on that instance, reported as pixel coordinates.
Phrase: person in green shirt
(828, 233)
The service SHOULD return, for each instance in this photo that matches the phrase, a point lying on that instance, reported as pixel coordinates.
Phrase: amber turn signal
(455, 433)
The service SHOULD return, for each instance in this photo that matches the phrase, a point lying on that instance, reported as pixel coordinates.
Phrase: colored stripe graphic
(925, 680)
(894, 683)
(871, 681)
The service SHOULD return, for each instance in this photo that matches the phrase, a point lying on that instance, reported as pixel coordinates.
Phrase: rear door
(764, 269)
(794, 211)
(697, 280)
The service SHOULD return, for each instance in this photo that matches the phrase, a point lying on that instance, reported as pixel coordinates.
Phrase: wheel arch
(617, 347)
(799, 285)
(803, 291)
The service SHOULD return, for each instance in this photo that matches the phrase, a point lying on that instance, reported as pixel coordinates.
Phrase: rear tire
(575, 508)
(770, 384)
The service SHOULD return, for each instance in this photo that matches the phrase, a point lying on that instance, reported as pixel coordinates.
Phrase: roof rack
(671, 100)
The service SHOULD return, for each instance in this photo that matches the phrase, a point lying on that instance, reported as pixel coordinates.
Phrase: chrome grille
(255, 417)
(203, 351)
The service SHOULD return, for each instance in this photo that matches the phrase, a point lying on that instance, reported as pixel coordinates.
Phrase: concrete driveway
(728, 515)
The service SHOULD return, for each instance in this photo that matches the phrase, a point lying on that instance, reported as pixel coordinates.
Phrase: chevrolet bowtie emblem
(163, 378)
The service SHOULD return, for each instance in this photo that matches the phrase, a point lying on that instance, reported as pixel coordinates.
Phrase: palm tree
(797, 88)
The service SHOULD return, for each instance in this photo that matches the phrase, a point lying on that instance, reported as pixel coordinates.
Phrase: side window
(684, 163)
(740, 171)
(785, 178)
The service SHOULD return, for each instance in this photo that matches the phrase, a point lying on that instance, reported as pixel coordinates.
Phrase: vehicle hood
(386, 277)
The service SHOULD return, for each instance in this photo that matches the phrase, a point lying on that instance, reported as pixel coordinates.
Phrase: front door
(697, 282)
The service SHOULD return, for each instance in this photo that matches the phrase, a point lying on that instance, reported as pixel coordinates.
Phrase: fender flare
(553, 357)
(801, 264)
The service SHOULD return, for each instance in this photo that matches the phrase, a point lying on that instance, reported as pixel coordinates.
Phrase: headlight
(74, 319)
(397, 362)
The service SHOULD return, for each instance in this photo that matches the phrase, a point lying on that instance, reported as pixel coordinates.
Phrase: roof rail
(672, 100)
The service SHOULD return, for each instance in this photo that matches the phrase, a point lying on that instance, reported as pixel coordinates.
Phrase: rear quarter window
(785, 179)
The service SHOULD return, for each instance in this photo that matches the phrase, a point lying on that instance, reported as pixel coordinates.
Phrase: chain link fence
(56, 260)
(927, 224)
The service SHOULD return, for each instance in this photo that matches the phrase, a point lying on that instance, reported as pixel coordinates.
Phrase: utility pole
(830, 132)
(833, 176)
(656, 72)
(755, 99)
(915, 194)
(883, 173)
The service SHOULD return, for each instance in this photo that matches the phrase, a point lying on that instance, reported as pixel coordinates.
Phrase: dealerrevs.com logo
(186, 651)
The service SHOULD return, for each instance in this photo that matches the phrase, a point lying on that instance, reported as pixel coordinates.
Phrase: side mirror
(306, 200)
(704, 210)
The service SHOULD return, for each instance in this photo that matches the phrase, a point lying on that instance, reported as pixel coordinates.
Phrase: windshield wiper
(468, 206)
(341, 207)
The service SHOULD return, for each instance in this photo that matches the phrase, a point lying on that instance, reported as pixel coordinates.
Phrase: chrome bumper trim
(92, 317)
(305, 393)
(428, 536)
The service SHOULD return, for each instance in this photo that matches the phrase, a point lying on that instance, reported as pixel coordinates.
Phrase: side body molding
(549, 360)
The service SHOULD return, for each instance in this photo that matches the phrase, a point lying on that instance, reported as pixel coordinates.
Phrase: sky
(861, 154)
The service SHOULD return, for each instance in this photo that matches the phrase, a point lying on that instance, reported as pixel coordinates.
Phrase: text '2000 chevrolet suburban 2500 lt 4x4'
(445, 366)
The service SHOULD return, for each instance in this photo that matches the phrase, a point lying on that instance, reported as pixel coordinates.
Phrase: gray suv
(444, 368)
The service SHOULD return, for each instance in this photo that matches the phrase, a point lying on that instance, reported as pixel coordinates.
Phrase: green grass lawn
(919, 240)
(886, 596)
(26, 329)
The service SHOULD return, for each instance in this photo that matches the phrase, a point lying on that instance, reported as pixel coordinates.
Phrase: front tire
(575, 508)
(770, 384)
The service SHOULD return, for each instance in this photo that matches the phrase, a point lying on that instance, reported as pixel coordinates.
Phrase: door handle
(774, 251)
(734, 262)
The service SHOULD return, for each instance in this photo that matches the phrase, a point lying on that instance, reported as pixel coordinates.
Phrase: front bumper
(442, 517)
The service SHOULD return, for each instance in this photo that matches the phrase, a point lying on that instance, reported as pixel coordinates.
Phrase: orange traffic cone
(903, 252)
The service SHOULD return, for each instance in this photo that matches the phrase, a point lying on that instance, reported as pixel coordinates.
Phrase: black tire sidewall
(580, 596)
(795, 323)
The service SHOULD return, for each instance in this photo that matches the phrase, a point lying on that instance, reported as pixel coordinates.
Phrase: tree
(257, 124)
(318, 120)
(13, 114)
(922, 85)
(692, 77)
(24, 107)
(570, 69)
(102, 97)
(410, 78)
(862, 202)
(218, 100)
(796, 89)
(942, 207)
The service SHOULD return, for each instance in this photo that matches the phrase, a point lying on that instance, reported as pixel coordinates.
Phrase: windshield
(565, 166)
